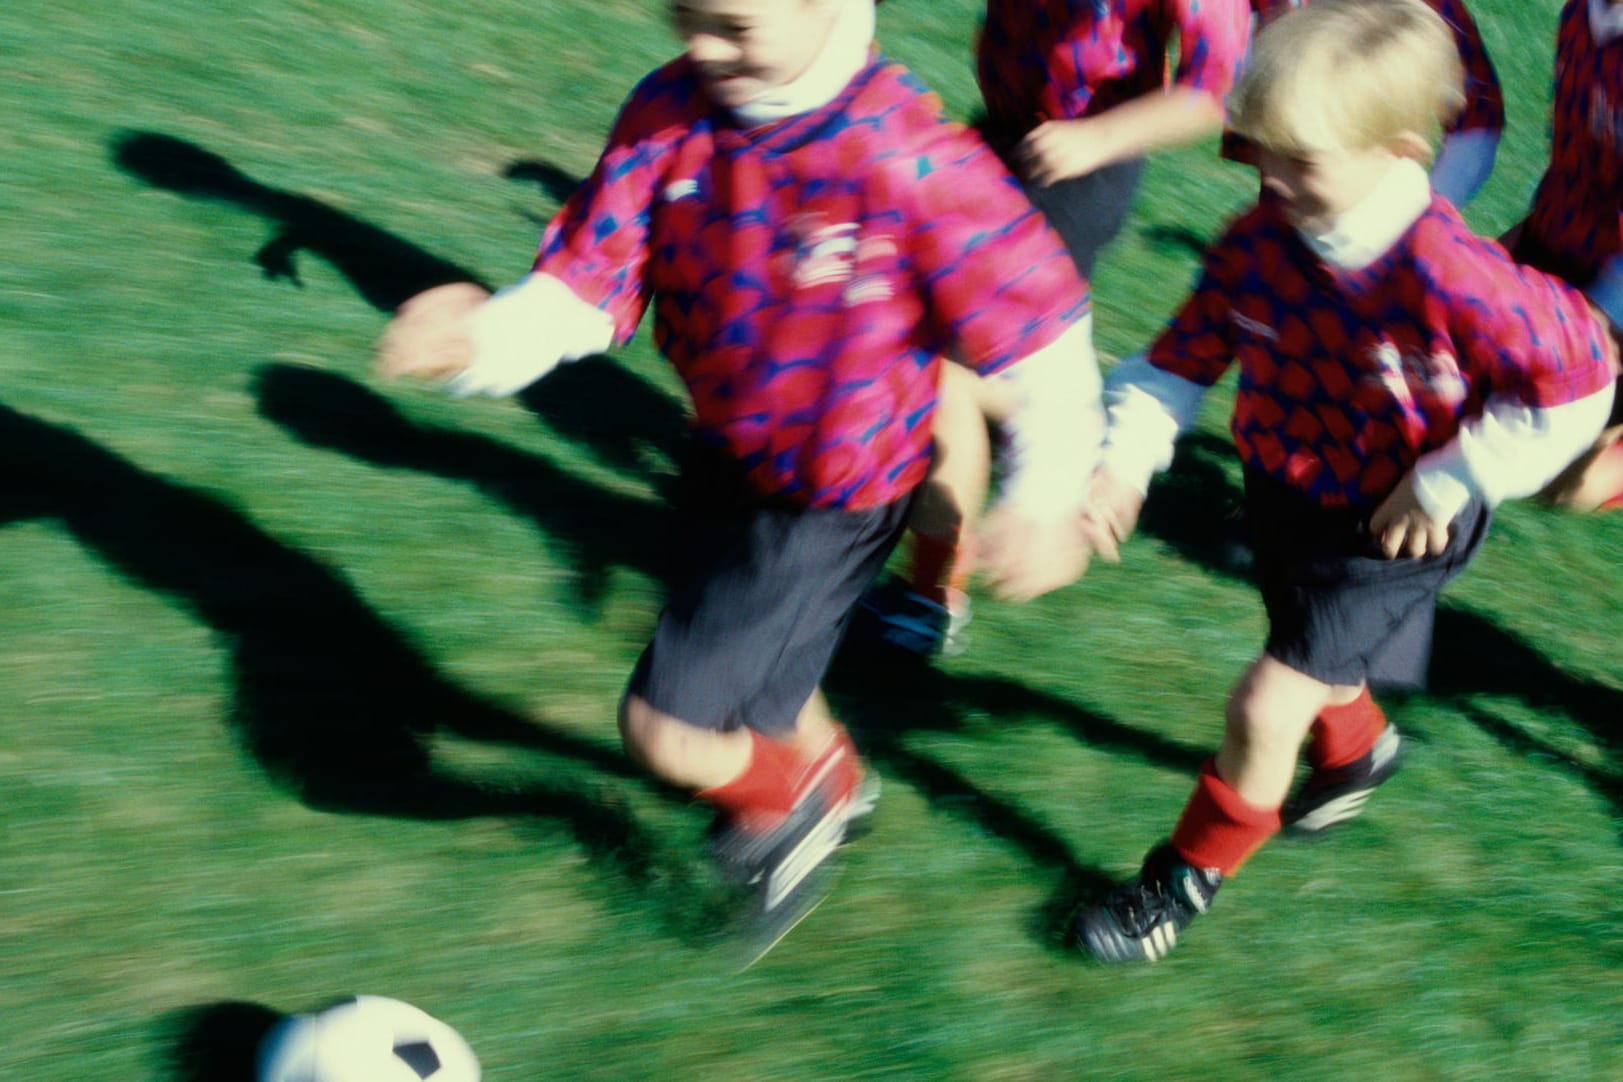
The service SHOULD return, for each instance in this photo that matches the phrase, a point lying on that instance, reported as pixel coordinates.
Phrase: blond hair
(1348, 75)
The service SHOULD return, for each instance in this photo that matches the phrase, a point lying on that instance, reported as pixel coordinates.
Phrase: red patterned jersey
(1347, 377)
(1577, 211)
(807, 276)
(1061, 59)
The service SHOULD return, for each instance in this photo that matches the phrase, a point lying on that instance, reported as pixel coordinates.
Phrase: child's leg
(677, 753)
(1234, 809)
(1236, 803)
(940, 560)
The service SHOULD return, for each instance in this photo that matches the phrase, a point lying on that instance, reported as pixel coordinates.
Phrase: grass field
(308, 680)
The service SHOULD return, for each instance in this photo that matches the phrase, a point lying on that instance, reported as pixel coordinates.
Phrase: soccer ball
(366, 1039)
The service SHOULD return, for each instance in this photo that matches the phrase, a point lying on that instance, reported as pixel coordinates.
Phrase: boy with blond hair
(814, 237)
(1398, 378)
(1470, 140)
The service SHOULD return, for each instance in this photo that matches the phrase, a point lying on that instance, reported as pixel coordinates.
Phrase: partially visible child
(1575, 227)
(1471, 136)
(1077, 93)
(814, 238)
(1399, 377)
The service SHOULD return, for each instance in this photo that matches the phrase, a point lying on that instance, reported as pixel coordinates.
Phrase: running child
(1077, 93)
(1575, 227)
(1399, 377)
(814, 238)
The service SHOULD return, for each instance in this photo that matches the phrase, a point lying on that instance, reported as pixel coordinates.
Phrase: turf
(309, 679)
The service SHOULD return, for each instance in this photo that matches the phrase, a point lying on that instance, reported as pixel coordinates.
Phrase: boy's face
(744, 48)
(1319, 187)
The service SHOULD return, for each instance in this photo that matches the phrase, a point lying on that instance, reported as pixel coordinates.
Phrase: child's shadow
(1191, 510)
(332, 701)
(886, 698)
(593, 528)
(383, 268)
(556, 184)
(600, 530)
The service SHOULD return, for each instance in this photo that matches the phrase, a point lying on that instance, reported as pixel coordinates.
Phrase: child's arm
(1035, 538)
(1508, 451)
(1548, 366)
(586, 288)
(1212, 39)
(493, 345)
(1060, 149)
(1152, 397)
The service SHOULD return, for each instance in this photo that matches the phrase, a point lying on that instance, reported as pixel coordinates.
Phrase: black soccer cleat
(1333, 796)
(1140, 921)
(786, 869)
(895, 616)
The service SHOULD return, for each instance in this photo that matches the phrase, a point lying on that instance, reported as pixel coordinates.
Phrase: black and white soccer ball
(366, 1039)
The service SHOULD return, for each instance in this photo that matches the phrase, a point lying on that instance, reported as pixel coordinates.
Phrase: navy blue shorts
(1089, 211)
(1338, 610)
(762, 593)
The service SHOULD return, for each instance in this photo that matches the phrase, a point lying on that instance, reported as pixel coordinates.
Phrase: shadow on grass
(217, 1042)
(556, 184)
(594, 529)
(332, 701)
(1180, 239)
(1191, 510)
(383, 268)
(885, 699)
(601, 530)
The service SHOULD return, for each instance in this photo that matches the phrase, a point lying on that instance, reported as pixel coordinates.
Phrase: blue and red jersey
(1040, 60)
(808, 276)
(1577, 212)
(1347, 377)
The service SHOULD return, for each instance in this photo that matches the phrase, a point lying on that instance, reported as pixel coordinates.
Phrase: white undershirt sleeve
(1055, 426)
(1147, 407)
(527, 330)
(1509, 450)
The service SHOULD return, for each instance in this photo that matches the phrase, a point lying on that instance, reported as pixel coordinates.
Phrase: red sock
(839, 763)
(1219, 828)
(938, 565)
(766, 785)
(1342, 734)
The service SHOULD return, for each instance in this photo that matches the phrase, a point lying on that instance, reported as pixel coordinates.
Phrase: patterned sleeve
(1484, 101)
(1197, 345)
(597, 244)
(998, 283)
(1529, 335)
(1212, 40)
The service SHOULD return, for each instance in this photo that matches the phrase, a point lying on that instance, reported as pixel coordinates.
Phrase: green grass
(308, 680)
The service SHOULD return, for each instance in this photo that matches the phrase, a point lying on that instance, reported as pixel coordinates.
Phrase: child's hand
(1022, 557)
(1403, 528)
(1113, 510)
(428, 337)
(1057, 150)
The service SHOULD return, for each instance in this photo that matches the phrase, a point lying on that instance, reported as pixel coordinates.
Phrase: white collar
(843, 55)
(1605, 21)
(1363, 233)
